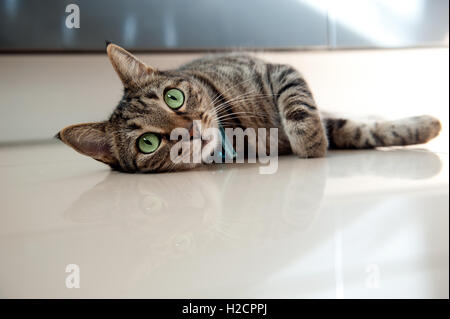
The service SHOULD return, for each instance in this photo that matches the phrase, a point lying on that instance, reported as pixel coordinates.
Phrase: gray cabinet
(388, 23)
(210, 24)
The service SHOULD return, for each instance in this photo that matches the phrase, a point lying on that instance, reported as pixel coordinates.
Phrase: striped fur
(349, 134)
(237, 91)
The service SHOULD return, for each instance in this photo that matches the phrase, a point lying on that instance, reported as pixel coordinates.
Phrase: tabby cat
(229, 90)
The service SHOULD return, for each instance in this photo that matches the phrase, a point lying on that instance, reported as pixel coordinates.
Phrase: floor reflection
(227, 200)
(213, 199)
(388, 163)
(228, 209)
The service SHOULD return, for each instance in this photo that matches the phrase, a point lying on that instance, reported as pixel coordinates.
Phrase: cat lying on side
(217, 92)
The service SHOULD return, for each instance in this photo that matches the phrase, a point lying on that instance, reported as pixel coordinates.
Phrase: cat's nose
(195, 130)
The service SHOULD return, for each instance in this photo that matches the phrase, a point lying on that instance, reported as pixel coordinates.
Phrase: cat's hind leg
(299, 115)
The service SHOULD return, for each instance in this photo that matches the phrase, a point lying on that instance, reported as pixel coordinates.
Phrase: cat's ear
(89, 139)
(132, 72)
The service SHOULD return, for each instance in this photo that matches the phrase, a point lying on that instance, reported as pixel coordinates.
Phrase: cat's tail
(351, 134)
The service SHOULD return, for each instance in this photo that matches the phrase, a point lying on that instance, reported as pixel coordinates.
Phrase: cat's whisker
(231, 100)
(226, 104)
(246, 95)
(221, 94)
(234, 116)
(250, 93)
(240, 112)
(230, 88)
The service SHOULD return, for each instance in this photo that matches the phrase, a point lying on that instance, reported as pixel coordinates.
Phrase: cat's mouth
(213, 140)
(204, 143)
(207, 137)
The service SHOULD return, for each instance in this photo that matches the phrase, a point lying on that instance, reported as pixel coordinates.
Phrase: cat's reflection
(221, 201)
(388, 163)
(157, 219)
(225, 200)
(157, 222)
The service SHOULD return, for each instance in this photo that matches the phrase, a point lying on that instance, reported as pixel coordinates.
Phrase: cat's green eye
(148, 143)
(174, 98)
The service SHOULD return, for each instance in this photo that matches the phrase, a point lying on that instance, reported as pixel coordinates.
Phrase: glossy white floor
(356, 224)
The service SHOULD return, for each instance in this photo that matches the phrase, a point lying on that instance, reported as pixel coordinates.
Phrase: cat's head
(136, 138)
